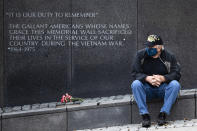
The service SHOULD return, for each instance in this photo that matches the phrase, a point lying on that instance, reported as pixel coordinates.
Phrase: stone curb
(55, 107)
(123, 103)
(89, 103)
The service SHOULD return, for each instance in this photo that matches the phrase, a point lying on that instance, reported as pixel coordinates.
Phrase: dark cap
(153, 40)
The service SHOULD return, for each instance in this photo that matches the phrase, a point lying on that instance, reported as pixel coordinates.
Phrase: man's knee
(136, 84)
(175, 85)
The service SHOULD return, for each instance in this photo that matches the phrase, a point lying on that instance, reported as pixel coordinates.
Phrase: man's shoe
(161, 119)
(146, 120)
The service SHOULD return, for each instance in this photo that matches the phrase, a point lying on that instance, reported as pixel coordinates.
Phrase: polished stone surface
(40, 75)
(105, 70)
(175, 22)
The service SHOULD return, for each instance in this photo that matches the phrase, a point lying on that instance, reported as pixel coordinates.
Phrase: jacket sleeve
(137, 72)
(175, 69)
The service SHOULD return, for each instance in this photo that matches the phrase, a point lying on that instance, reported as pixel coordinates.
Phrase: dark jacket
(168, 59)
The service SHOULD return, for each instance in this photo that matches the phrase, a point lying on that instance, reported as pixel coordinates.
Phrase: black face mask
(151, 51)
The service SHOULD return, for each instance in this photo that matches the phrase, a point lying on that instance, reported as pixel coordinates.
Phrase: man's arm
(137, 72)
(174, 71)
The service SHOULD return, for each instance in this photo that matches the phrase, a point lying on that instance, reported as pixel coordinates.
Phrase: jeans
(142, 92)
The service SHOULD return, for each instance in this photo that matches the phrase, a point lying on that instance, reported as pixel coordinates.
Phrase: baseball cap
(153, 40)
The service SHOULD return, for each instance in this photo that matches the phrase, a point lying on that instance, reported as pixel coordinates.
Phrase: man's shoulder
(168, 53)
(141, 51)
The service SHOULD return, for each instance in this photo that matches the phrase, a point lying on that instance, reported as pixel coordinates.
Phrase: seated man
(156, 73)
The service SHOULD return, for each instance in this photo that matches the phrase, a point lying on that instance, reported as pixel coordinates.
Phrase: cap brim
(149, 44)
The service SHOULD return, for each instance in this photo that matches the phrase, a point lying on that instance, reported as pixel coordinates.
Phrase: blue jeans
(168, 92)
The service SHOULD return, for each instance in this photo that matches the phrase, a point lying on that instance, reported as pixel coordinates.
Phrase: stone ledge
(107, 111)
(88, 103)
(55, 107)
(188, 92)
(114, 110)
(183, 94)
(33, 112)
(101, 103)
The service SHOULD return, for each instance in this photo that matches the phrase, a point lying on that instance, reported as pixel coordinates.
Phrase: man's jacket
(167, 58)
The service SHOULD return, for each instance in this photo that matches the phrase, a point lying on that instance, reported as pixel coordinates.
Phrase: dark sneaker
(161, 119)
(146, 120)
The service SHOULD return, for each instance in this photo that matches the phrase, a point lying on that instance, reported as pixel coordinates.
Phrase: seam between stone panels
(66, 119)
(195, 104)
(71, 51)
(3, 57)
(137, 24)
(69, 48)
(1, 122)
(131, 111)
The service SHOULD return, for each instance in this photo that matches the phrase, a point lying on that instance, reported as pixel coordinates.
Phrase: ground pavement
(178, 125)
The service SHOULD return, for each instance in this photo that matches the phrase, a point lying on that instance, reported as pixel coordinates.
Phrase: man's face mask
(151, 51)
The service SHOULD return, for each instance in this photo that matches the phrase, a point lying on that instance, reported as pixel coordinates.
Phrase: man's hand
(160, 78)
(155, 80)
(152, 80)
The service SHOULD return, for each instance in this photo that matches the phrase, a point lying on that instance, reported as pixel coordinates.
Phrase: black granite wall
(86, 47)
(104, 70)
(1, 53)
(36, 70)
(175, 21)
